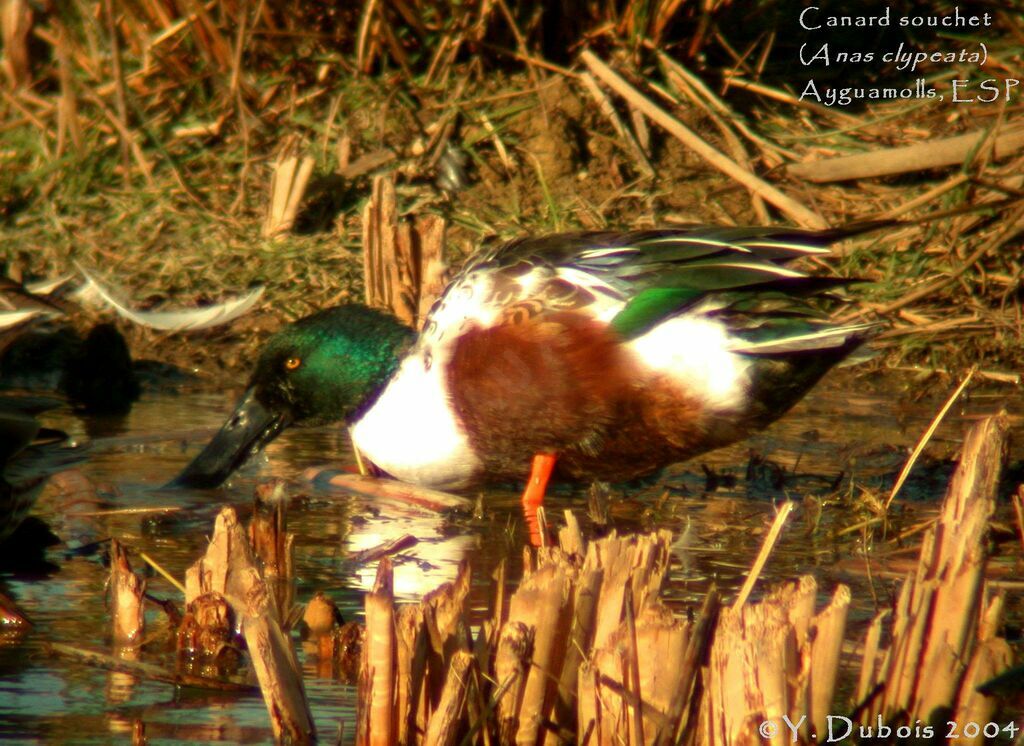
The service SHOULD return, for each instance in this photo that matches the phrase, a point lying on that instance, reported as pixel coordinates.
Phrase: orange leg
(540, 473)
(533, 496)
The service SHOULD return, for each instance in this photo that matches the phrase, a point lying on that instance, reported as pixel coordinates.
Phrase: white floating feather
(10, 319)
(45, 287)
(192, 319)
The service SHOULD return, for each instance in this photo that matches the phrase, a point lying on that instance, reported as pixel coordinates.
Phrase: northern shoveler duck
(610, 354)
(27, 457)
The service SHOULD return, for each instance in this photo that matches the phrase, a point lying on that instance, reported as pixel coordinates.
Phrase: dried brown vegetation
(197, 149)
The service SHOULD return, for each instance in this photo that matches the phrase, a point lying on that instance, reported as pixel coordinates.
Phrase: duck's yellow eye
(292, 363)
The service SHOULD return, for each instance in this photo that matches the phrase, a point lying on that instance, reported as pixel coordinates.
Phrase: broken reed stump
(287, 188)
(229, 578)
(425, 680)
(774, 659)
(943, 629)
(403, 262)
(126, 595)
(273, 545)
(584, 650)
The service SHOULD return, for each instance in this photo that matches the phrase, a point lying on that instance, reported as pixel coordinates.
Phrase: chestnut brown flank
(564, 383)
(548, 384)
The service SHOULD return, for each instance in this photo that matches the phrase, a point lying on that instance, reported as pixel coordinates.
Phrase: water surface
(839, 447)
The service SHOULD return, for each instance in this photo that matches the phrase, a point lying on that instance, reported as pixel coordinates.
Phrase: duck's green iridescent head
(323, 368)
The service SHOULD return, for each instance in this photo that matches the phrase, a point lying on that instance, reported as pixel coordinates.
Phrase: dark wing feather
(662, 272)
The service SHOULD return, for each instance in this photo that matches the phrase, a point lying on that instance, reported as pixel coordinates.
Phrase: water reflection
(434, 558)
(843, 438)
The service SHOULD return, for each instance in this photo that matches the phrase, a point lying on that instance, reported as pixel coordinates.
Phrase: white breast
(412, 433)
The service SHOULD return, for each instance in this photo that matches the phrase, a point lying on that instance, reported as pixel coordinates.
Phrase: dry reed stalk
(403, 262)
(428, 238)
(991, 658)
(499, 144)
(407, 657)
(584, 616)
(608, 109)
(870, 658)
(127, 591)
(661, 18)
(446, 724)
(730, 168)
(541, 652)
(411, 696)
(766, 549)
(208, 36)
(927, 436)
(119, 89)
(445, 614)
(948, 151)
(287, 188)
(639, 675)
(213, 572)
(939, 627)
(686, 710)
(229, 579)
(366, 39)
(774, 659)
(275, 547)
(238, 50)
(643, 132)
(388, 277)
(377, 680)
(826, 640)
(639, 560)
(1018, 510)
(543, 601)
(276, 666)
(511, 666)
(691, 86)
(16, 19)
(69, 124)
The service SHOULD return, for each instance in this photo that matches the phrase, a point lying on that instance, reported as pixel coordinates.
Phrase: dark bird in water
(29, 454)
(96, 373)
